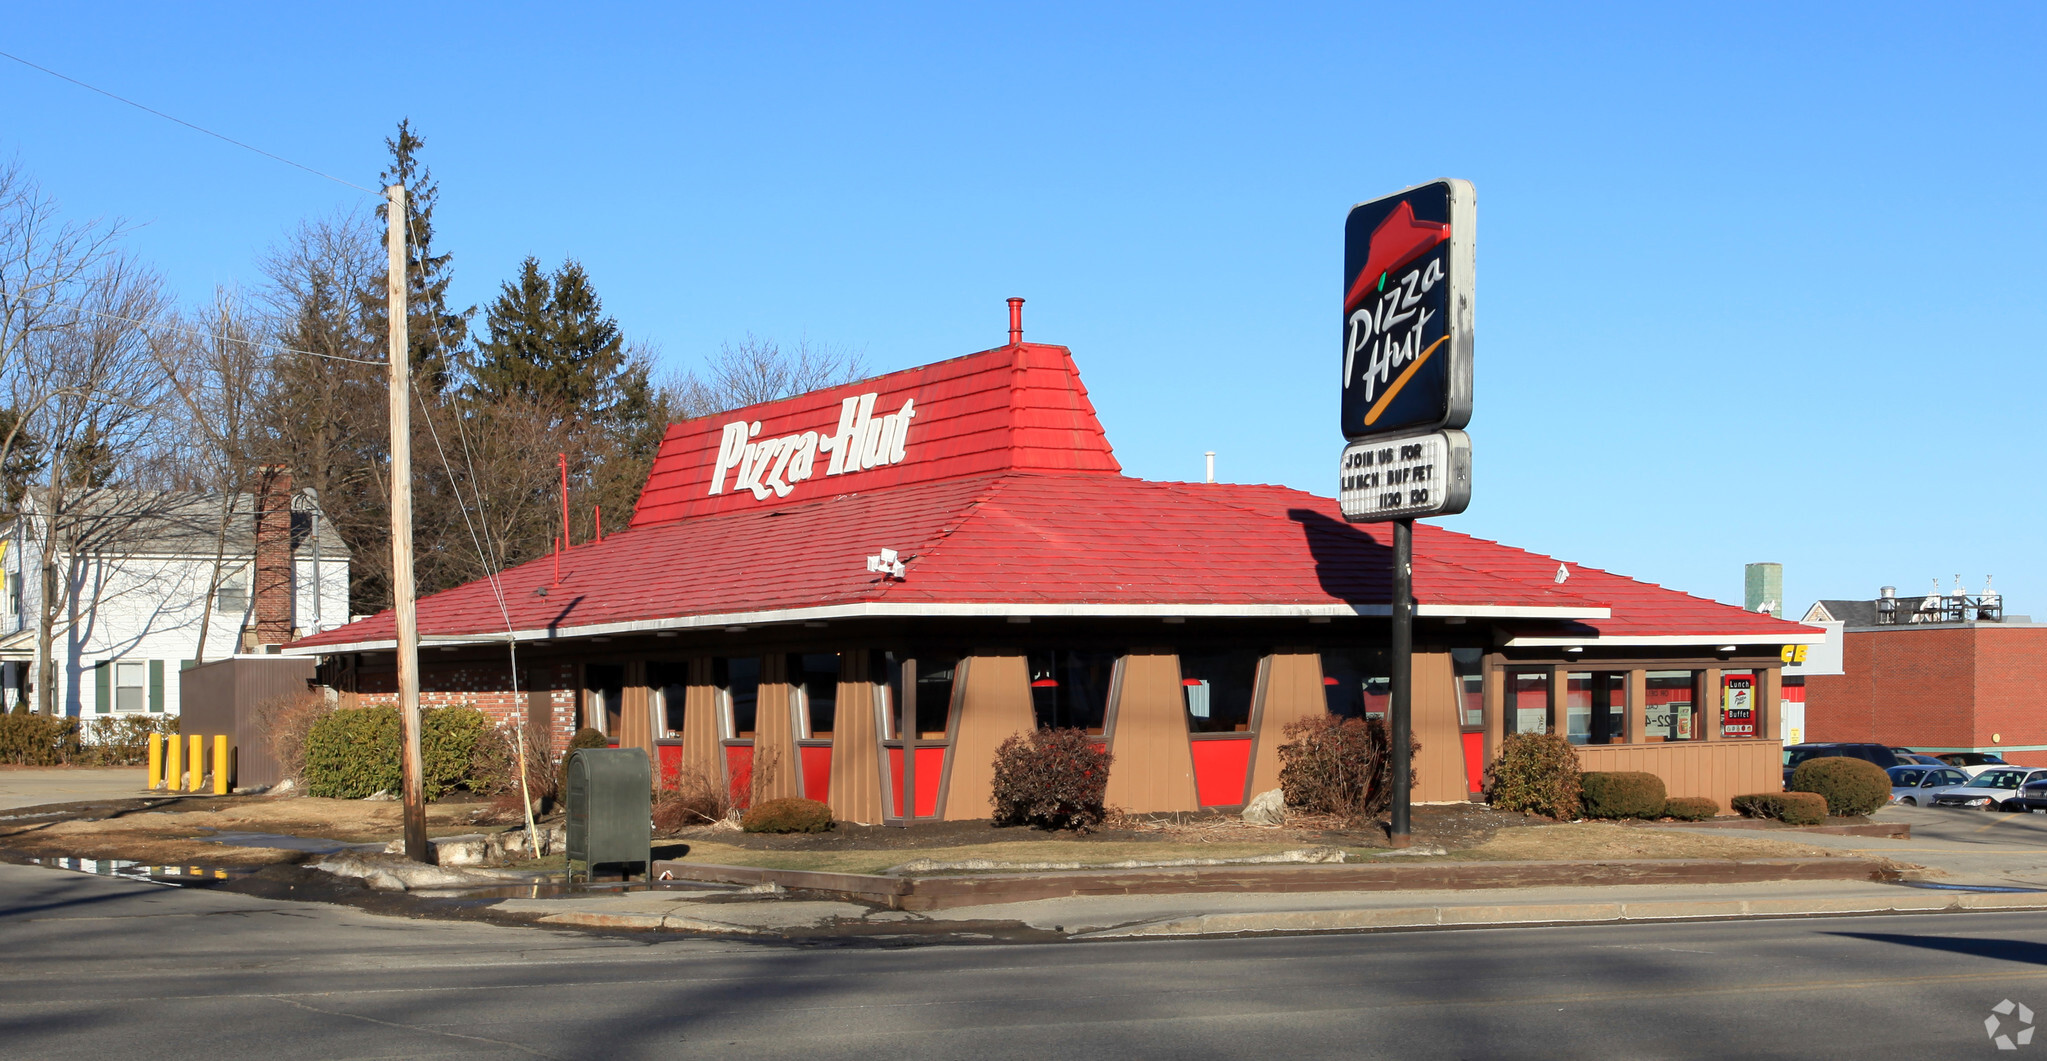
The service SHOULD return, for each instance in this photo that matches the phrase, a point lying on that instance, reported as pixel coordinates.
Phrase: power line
(255, 343)
(186, 124)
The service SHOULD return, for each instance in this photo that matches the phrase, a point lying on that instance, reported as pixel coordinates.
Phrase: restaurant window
(930, 692)
(604, 697)
(1468, 667)
(670, 682)
(739, 686)
(1070, 688)
(1671, 705)
(1357, 684)
(1527, 702)
(1740, 691)
(815, 676)
(1218, 687)
(1595, 706)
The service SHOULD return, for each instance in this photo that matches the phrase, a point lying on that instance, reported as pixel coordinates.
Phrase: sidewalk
(1105, 917)
(31, 786)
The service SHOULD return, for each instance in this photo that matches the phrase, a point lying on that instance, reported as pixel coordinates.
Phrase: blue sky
(1756, 282)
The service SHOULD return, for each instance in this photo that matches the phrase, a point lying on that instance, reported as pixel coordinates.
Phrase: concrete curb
(1565, 913)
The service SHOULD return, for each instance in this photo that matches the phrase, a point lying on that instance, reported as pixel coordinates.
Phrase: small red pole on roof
(1015, 321)
(597, 517)
(564, 458)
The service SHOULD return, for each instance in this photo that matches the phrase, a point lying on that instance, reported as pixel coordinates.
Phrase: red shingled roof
(1003, 497)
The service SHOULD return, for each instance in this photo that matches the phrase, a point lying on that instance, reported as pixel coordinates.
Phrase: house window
(1218, 688)
(1070, 688)
(131, 685)
(739, 684)
(13, 594)
(233, 597)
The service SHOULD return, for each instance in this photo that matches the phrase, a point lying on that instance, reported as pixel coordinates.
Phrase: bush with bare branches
(285, 723)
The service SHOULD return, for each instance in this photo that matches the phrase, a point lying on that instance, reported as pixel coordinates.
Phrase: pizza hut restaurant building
(858, 593)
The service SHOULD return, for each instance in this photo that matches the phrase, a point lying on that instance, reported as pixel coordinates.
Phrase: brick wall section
(1939, 687)
(484, 686)
(273, 581)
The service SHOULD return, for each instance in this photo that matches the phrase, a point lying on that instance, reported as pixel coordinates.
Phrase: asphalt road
(100, 968)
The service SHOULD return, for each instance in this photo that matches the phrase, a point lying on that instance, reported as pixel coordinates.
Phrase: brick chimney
(273, 583)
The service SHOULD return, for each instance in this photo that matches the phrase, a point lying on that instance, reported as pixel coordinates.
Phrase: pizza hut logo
(775, 465)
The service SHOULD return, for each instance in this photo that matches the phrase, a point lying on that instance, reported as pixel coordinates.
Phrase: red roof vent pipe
(1015, 321)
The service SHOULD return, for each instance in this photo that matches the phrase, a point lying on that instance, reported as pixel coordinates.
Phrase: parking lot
(1961, 846)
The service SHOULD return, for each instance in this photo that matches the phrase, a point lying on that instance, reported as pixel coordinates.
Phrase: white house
(132, 590)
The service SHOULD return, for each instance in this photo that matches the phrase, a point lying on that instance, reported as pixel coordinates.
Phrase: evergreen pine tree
(435, 334)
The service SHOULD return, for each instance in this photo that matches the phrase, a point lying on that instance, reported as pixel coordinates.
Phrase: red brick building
(1951, 681)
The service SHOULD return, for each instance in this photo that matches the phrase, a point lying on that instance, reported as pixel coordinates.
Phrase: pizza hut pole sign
(1407, 346)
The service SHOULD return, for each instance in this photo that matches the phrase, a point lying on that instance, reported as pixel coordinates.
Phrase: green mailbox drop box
(611, 805)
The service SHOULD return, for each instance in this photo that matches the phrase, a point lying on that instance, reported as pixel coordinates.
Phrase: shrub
(788, 815)
(588, 738)
(1331, 765)
(355, 753)
(1621, 794)
(122, 740)
(286, 725)
(1537, 773)
(1051, 778)
(1791, 808)
(38, 740)
(689, 797)
(1690, 808)
(1851, 786)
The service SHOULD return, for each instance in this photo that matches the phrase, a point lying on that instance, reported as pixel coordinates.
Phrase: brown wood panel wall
(1154, 767)
(995, 705)
(1439, 766)
(1293, 691)
(1769, 707)
(700, 752)
(636, 715)
(778, 771)
(1717, 770)
(856, 746)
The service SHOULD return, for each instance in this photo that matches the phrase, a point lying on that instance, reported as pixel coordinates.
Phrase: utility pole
(401, 526)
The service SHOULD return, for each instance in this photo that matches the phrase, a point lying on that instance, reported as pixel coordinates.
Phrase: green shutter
(103, 680)
(156, 685)
(187, 664)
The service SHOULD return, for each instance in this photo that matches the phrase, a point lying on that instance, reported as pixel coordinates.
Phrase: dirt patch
(155, 831)
(1609, 840)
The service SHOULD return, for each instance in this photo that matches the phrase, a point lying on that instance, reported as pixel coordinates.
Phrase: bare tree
(96, 396)
(760, 370)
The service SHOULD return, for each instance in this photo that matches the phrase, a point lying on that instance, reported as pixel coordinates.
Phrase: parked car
(1916, 759)
(1972, 763)
(1873, 753)
(1996, 788)
(1916, 786)
(2032, 797)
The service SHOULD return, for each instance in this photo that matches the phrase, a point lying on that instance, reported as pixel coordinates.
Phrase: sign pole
(1403, 675)
(402, 589)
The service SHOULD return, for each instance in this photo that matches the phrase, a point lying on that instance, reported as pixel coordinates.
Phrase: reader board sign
(1405, 476)
(1408, 262)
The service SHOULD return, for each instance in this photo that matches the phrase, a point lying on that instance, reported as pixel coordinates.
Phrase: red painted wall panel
(1474, 762)
(1219, 770)
(817, 772)
(739, 767)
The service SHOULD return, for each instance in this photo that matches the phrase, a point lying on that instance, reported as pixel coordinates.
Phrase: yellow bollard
(196, 768)
(155, 760)
(172, 772)
(219, 764)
